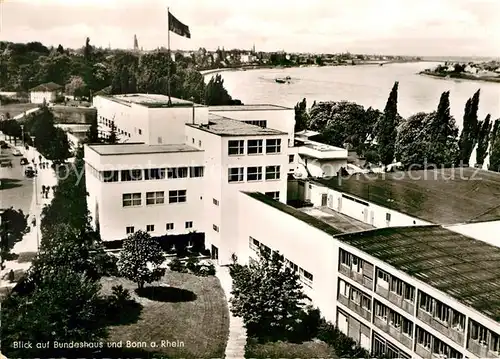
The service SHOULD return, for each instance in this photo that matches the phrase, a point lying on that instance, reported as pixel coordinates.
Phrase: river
(368, 85)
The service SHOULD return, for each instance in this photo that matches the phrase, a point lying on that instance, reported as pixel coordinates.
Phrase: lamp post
(22, 134)
(192, 100)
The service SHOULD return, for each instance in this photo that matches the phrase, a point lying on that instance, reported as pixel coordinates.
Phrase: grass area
(15, 109)
(282, 350)
(191, 317)
(26, 257)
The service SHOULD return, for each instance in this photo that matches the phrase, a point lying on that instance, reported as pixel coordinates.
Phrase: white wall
(284, 233)
(114, 218)
(39, 97)
(323, 168)
(372, 214)
(483, 231)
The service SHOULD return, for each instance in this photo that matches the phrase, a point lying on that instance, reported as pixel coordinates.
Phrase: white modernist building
(372, 252)
(45, 93)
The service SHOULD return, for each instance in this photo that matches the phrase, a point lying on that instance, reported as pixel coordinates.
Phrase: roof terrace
(223, 126)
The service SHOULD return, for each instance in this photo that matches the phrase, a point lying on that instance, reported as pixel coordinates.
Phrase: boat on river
(283, 80)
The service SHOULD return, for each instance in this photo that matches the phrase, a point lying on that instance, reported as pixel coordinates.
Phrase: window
(272, 172)
(424, 338)
(196, 171)
(273, 146)
(409, 293)
(110, 176)
(259, 123)
(131, 199)
(388, 217)
(458, 322)
(355, 296)
(160, 140)
(345, 258)
(216, 202)
(366, 303)
(407, 328)
(254, 147)
(274, 195)
(131, 175)
(177, 172)
(189, 224)
(154, 173)
(155, 198)
(192, 140)
(130, 230)
(254, 173)
(291, 158)
(344, 288)
(215, 228)
(254, 244)
(395, 319)
(426, 303)
(307, 278)
(293, 267)
(199, 143)
(170, 226)
(236, 147)
(235, 174)
(177, 196)
(150, 228)
(381, 311)
(442, 312)
(383, 279)
(140, 132)
(396, 286)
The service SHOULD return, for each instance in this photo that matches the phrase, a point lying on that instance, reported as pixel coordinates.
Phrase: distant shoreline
(460, 77)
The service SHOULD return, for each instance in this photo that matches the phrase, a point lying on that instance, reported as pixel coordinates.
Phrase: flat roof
(256, 107)
(444, 196)
(294, 212)
(149, 100)
(321, 147)
(139, 148)
(223, 126)
(464, 268)
(343, 223)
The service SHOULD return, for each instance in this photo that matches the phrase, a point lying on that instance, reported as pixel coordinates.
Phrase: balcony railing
(443, 328)
(382, 291)
(361, 311)
(481, 350)
(423, 351)
(356, 276)
(408, 306)
(381, 323)
(343, 300)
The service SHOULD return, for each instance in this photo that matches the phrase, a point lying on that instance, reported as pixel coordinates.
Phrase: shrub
(120, 297)
(193, 264)
(345, 347)
(177, 266)
(206, 269)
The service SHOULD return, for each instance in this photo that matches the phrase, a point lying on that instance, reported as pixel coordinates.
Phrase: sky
(397, 27)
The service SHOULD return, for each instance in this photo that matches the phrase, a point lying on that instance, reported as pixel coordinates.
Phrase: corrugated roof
(464, 268)
(445, 196)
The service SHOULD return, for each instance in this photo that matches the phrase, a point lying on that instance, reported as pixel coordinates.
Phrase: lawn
(190, 316)
(282, 350)
(15, 109)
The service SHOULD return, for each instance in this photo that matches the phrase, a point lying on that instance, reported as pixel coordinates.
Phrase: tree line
(90, 70)
(422, 140)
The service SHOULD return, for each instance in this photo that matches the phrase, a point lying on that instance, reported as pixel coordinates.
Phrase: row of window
(254, 147)
(119, 131)
(151, 174)
(158, 197)
(441, 312)
(237, 174)
(260, 123)
(432, 344)
(151, 227)
(305, 277)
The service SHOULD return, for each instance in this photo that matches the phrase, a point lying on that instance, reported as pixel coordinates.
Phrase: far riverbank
(460, 76)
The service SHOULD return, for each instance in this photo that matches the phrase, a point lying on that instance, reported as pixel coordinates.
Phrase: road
(16, 190)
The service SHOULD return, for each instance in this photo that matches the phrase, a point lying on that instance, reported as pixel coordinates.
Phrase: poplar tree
(495, 148)
(468, 137)
(387, 127)
(483, 139)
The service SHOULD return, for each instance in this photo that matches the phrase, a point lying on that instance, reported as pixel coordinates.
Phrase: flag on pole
(178, 27)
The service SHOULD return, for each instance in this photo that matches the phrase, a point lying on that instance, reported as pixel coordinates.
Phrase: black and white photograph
(280, 179)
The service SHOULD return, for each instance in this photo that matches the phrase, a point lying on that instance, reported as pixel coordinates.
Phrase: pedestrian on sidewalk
(40, 158)
(43, 190)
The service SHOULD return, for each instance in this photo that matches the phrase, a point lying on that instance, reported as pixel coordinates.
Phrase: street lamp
(22, 134)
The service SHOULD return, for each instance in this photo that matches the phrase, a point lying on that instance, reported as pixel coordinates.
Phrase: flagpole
(169, 58)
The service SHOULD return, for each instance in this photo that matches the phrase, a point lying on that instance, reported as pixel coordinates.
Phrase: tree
(76, 87)
(60, 49)
(495, 148)
(216, 94)
(64, 306)
(13, 226)
(483, 140)
(387, 127)
(468, 137)
(268, 296)
(138, 254)
(93, 132)
(87, 51)
(442, 125)
(113, 136)
(301, 116)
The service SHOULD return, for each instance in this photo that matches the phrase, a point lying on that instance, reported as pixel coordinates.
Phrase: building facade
(45, 93)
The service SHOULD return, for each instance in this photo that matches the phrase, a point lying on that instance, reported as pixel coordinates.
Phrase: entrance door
(215, 252)
(324, 199)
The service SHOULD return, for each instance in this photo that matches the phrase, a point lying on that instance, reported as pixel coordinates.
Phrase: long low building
(420, 291)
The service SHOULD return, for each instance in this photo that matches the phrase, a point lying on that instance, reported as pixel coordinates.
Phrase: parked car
(30, 172)
(17, 153)
(4, 145)
(23, 161)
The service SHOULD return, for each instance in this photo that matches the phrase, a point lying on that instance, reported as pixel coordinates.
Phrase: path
(237, 340)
